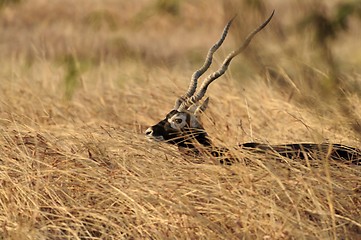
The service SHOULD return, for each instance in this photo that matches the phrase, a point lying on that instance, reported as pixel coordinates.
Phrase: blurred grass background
(81, 80)
(311, 54)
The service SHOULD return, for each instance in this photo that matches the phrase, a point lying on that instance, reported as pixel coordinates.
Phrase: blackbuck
(182, 127)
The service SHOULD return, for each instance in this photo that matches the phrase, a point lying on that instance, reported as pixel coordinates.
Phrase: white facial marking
(155, 139)
(178, 121)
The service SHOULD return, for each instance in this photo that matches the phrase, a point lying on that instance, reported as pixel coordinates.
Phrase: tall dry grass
(80, 81)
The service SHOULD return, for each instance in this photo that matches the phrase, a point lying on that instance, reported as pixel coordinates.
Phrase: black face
(163, 131)
(176, 129)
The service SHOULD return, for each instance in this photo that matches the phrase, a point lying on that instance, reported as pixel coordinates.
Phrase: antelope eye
(178, 120)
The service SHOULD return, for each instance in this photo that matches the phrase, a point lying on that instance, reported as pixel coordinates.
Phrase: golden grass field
(80, 81)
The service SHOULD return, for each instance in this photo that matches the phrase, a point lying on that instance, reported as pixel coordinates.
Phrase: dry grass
(79, 83)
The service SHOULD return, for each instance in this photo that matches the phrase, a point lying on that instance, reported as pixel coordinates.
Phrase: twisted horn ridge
(198, 96)
(207, 63)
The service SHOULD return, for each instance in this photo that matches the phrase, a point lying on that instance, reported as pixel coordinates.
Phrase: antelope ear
(201, 108)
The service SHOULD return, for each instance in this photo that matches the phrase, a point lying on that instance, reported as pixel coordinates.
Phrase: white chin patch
(155, 139)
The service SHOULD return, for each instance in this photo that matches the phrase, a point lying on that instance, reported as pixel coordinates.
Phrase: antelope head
(182, 126)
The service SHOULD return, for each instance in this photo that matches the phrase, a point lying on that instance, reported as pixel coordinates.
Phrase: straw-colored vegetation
(81, 80)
